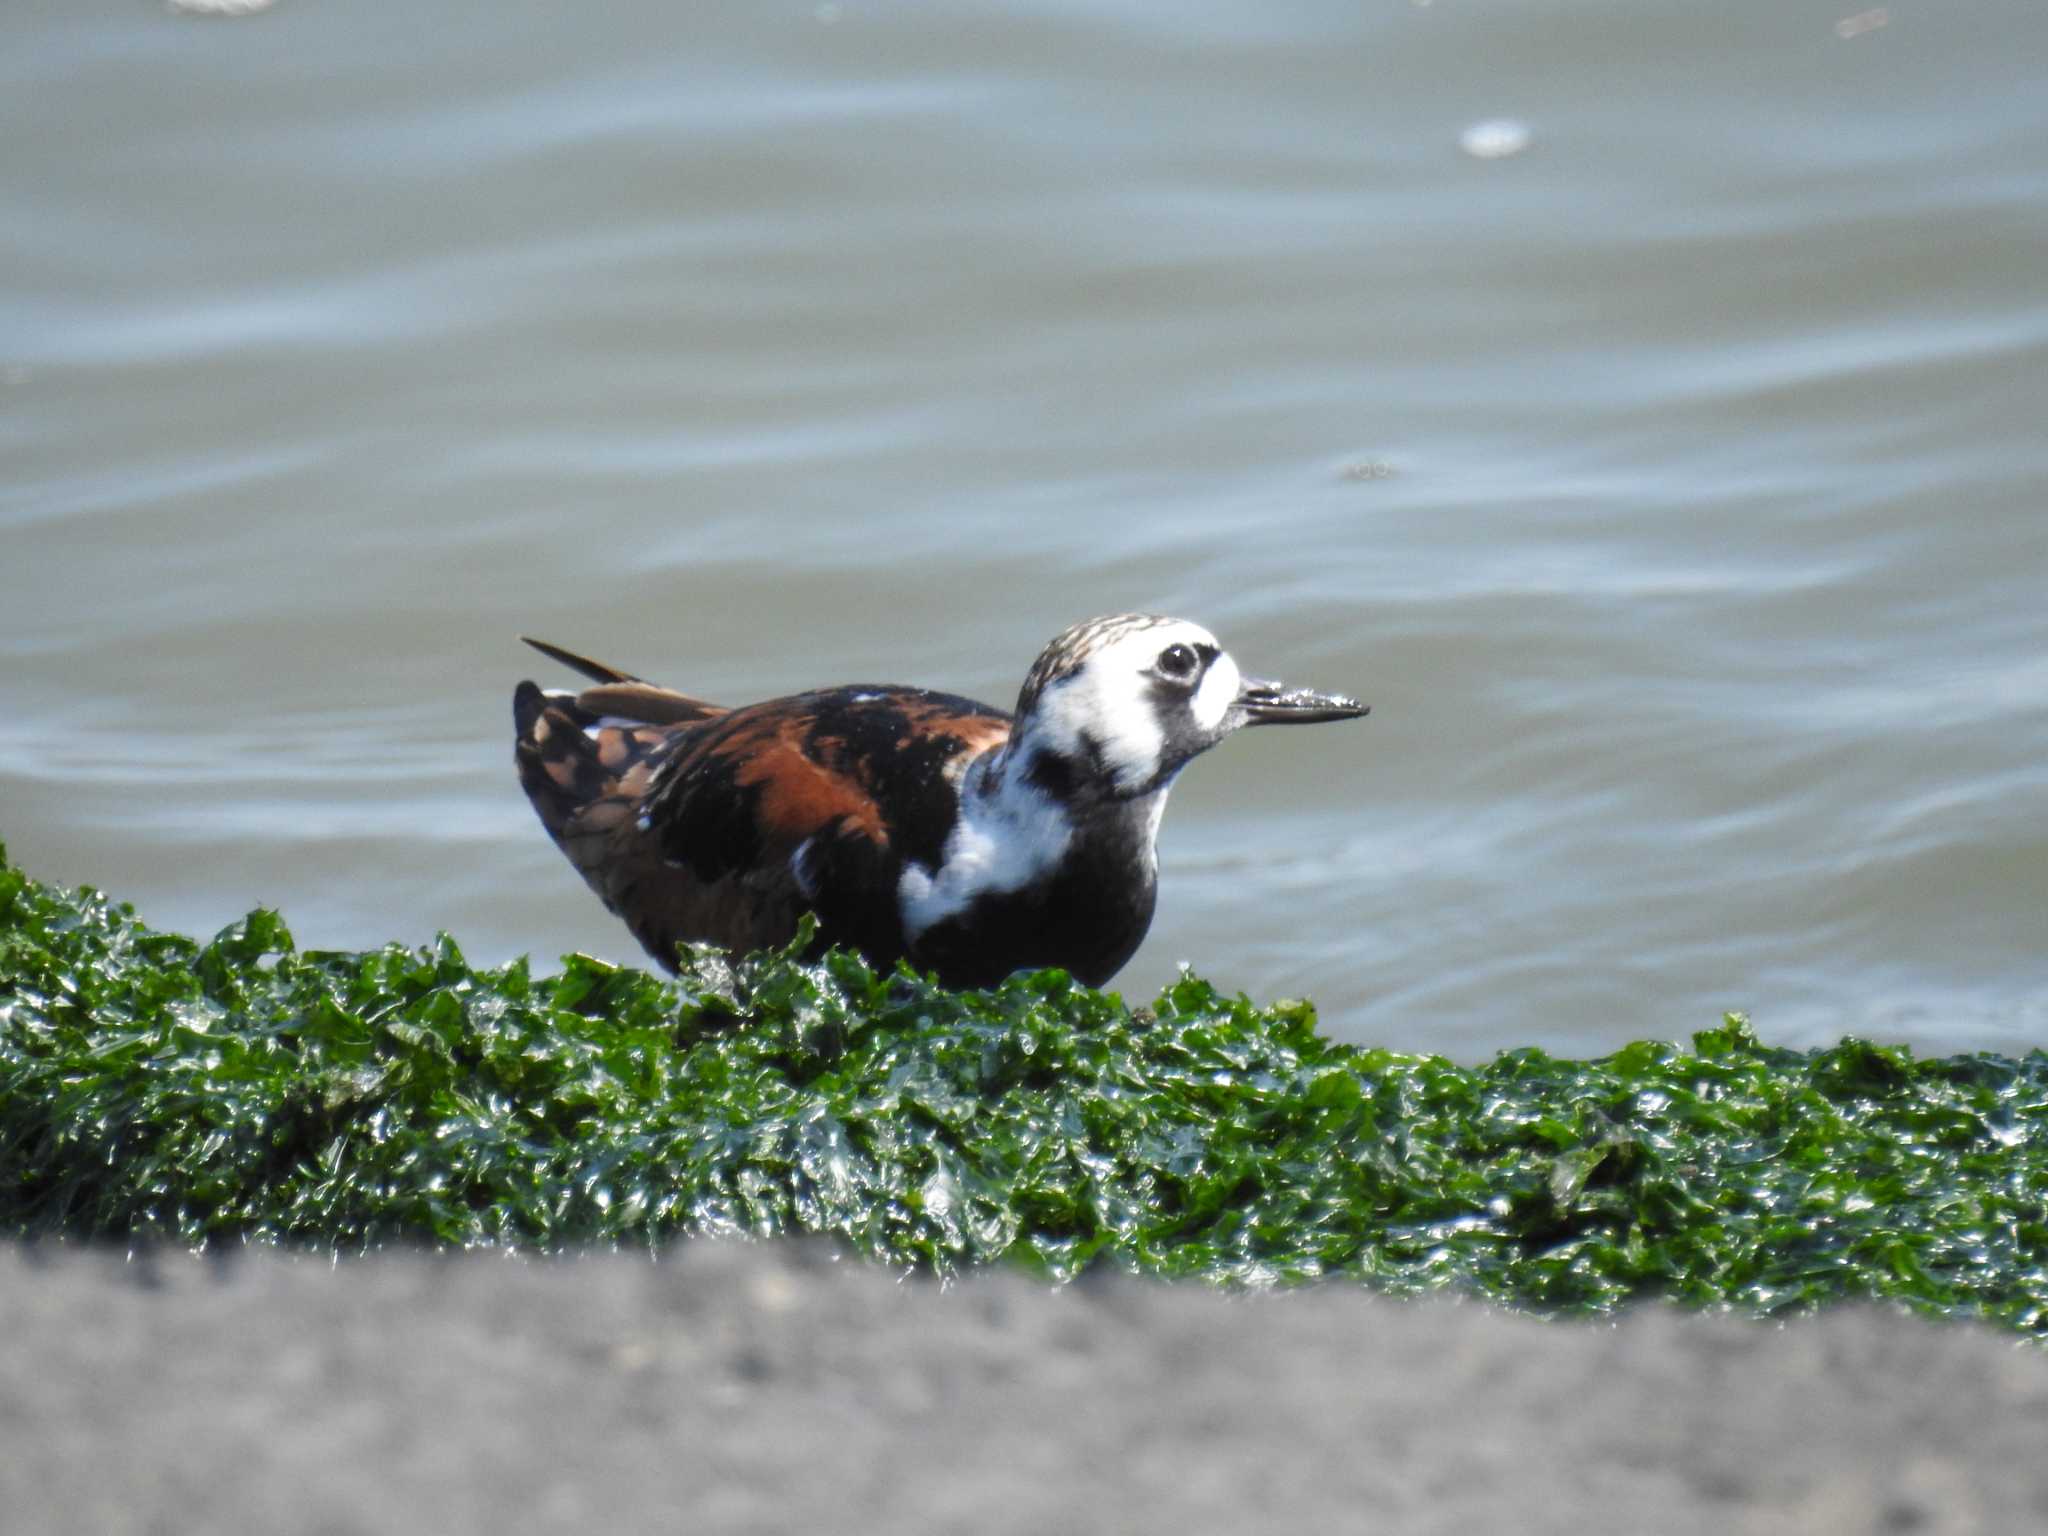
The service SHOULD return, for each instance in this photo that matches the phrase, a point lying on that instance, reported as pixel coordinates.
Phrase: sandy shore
(773, 1388)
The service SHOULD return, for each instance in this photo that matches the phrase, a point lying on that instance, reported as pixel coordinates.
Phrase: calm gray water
(1674, 488)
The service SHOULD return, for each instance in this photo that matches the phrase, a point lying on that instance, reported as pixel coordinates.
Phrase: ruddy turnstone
(915, 825)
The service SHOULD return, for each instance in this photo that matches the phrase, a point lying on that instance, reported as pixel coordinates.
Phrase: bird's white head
(1118, 706)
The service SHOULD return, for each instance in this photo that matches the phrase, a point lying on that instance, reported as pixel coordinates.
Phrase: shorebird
(917, 826)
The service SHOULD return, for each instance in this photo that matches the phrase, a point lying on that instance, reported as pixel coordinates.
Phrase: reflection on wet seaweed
(243, 1091)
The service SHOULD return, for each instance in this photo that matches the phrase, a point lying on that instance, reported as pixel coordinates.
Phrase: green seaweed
(156, 1088)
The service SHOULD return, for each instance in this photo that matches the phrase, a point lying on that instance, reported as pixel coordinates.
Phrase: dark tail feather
(596, 671)
(625, 696)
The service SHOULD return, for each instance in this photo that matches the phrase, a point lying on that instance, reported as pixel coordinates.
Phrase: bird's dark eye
(1178, 662)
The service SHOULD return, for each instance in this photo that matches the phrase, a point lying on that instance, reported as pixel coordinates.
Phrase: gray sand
(773, 1388)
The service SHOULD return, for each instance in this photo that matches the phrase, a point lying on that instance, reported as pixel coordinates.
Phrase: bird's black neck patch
(1087, 914)
(1053, 775)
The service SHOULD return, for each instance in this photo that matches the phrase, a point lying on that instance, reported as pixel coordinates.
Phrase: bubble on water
(1495, 139)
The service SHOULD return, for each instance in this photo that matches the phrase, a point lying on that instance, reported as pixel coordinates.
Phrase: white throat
(1010, 834)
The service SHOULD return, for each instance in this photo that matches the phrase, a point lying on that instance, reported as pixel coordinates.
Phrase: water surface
(1672, 488)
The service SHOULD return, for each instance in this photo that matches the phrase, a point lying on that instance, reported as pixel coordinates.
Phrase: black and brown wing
(725, 826)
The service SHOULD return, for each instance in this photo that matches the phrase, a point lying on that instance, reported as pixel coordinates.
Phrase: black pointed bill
(1266, 703)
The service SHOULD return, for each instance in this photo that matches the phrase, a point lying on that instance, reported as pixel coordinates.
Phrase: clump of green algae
(241, 1090)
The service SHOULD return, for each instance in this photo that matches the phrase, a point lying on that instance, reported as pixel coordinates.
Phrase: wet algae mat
(155, 1087)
